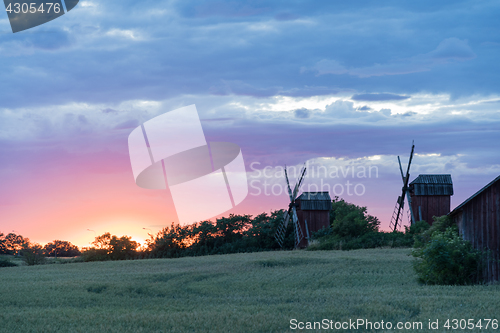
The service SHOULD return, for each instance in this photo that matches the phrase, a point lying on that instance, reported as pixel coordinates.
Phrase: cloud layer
(289, 82)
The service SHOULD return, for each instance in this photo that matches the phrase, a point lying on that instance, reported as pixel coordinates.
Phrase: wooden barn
(431, 196)
(313, 212)
(478, 220)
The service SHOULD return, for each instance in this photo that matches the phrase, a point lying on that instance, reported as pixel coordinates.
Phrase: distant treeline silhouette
(236, 233)
(350, 228)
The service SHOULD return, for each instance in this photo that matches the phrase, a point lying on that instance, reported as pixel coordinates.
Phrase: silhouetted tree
(12, 243)
(110, 247)
(59, 248)
(33, 254)
(122, 248)
(350, 220)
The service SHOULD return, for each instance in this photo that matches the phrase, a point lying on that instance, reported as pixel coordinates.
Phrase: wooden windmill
(281, 231)
(397, 215)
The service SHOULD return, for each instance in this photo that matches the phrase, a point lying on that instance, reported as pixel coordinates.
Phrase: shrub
(93, 254)
(447, 259)
(6, 263)
(350, 220)
(350, 228)
(33, 254)
(59, 248)
(440, 224)
(367, 241)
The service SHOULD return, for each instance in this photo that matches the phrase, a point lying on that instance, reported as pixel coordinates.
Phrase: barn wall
(431, 205)
(479, 222)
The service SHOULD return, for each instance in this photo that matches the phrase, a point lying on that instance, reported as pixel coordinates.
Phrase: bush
(440, 224)
(367, 241)
(447, 259)
(233, 234)
(93, 254)
(350, 228)
(33, 254)
(110, 247)
(6, 263)
(59, 248)
(349, 220)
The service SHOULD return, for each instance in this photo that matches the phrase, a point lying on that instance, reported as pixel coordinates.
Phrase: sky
(341, 86)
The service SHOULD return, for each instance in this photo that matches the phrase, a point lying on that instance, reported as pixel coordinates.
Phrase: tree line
(442, 256)
(33, 253)
(232, 234)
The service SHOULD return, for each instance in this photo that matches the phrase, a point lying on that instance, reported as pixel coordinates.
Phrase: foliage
(93, 254)
(122, 248)
(236, 233)
(366, 241)
(110, 247)
(352, 228)
(440, 224)
(4, 262)
(350, 220)
(417, 228)
(33, 254)
(61, 249)
(447, 259)
(12, 243)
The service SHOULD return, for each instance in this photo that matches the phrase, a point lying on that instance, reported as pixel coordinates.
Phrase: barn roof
(315, 201)
(453, 212)
(432, 185)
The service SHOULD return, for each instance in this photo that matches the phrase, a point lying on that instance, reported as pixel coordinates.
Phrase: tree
(33, 254)
(3, 247)
(102, 242)
(172, 241)
(12, 243)
(122, 248)
(350, 220)
(61, 248)
(110, 247)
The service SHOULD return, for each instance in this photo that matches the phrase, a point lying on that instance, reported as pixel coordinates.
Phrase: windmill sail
(397, 215)
(281, 231)
(291, 212)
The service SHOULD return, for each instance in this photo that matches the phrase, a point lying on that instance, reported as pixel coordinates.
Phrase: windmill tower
(397, 215)
(281, 231)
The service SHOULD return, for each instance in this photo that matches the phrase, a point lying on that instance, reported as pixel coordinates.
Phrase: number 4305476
(33, 8)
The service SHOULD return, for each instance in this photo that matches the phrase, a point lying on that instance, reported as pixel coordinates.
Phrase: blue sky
(289, 81)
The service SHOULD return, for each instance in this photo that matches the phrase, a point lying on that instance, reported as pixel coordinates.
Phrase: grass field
(254, 292)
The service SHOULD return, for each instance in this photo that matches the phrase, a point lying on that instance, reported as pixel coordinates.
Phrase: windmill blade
(288, 184)
(299, 235)
(401, 204)
(405, 189)
(286, 218)
(291, 212)
(411, 158)
(401, 170)
(408, 197)
(281, 230)
(297, 186)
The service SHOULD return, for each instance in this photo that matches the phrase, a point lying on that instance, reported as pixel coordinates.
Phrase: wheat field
(251, 292)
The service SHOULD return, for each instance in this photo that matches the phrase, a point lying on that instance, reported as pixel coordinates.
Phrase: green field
(253, 292)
